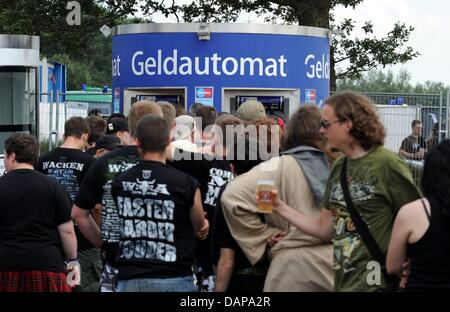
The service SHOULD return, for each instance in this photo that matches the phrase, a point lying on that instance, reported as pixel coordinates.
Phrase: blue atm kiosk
(269, 61)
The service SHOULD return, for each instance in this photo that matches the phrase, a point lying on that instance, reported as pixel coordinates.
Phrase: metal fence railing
(53, 113)
(398, 110)
(411, 99)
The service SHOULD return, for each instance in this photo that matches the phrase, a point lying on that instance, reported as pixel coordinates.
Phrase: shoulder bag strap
(361, 225)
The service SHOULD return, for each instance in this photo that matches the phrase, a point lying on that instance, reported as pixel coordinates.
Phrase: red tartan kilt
(33, 281)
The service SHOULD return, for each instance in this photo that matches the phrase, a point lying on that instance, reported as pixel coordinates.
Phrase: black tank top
(430, 255)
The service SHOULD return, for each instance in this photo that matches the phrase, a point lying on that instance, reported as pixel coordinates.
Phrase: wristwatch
(72, 260)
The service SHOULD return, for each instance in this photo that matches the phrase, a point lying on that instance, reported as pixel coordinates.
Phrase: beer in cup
(263, 189)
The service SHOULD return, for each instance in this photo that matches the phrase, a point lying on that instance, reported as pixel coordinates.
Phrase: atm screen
(271, 103)
(174, 99)
(146, 98)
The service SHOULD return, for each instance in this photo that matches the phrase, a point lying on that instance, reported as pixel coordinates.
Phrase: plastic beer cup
(263, 189)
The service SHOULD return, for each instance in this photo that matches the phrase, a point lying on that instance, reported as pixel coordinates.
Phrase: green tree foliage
(47, 19)
(85, 51)
(388, 81)
(77, 72)
(361, 55)
(94, 68)
(303, 12)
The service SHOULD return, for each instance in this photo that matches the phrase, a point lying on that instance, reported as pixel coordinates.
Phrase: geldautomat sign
(174, 64)
(235, 56)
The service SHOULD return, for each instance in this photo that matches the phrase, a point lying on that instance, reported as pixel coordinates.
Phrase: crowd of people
(165, 200)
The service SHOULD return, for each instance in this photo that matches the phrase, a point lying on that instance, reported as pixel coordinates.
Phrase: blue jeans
(174, 284)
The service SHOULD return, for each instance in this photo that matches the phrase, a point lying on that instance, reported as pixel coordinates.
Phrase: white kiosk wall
(19, 62)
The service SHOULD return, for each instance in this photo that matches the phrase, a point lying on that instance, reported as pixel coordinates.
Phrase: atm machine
(275, 105)
(174, 99)
(176, 96)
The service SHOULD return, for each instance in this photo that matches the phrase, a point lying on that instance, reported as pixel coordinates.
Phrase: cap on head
(116, 124)
(251, 110)
(185, 125)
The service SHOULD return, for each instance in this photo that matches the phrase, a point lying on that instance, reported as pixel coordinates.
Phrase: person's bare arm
(69, 242)
(87, 225)
(397, 256)
(68, 239)
(97, 214)
(320, 227)
(405, 154)
(199, 223)
(224, 269)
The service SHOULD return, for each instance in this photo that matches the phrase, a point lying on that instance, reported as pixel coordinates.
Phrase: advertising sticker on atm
(310, 96)
(116, 100)
(204, 95)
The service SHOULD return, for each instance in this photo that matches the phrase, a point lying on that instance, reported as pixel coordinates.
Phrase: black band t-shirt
(212, 172)
(154, 203)
(96, 188)
(32, 206)
(68, 166)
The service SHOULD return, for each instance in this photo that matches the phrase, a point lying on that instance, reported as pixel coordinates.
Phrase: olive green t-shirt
(380, 183)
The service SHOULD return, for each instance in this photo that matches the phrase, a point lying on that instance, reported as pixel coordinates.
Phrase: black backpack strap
(362, 228)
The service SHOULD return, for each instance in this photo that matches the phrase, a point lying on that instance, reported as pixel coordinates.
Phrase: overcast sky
(431, 37)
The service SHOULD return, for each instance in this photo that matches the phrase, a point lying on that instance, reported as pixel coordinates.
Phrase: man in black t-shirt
(68, 165)
(212, 172)
(36, 231)
(414, 146)
(96, 188)
(160, 214)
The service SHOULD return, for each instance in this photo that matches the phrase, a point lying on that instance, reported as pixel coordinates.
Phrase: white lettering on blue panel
(175, 64)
